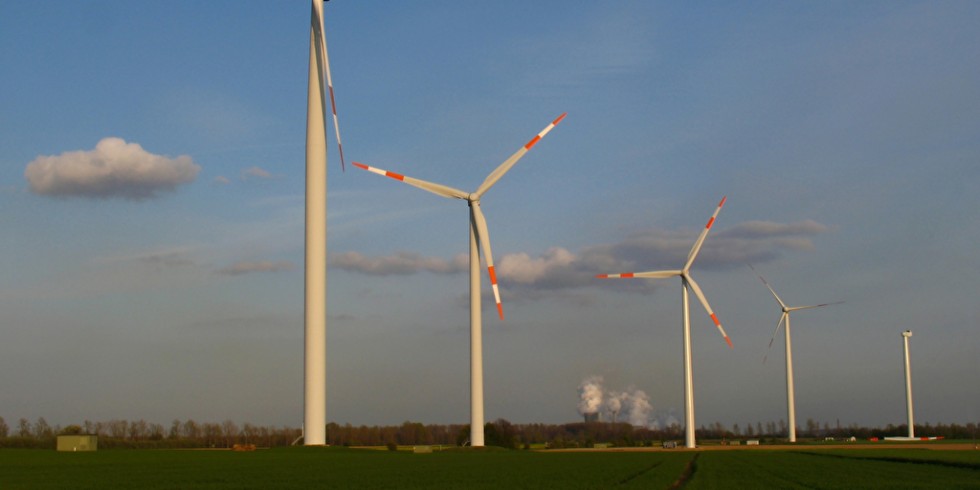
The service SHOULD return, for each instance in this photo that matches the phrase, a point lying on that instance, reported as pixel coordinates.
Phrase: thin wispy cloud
(255, 172)
(249, 267)
(400, 264)
(177, 256)
(114, 168)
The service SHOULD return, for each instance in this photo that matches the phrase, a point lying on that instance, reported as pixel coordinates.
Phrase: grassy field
(359, 468)
(844, 469)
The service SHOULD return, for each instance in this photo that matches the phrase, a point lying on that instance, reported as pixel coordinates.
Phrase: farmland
(363, 468)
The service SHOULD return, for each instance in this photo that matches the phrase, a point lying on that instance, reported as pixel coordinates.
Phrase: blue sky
(166, 280)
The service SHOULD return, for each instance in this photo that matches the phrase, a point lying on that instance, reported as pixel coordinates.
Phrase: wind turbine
(790, 397)
(315, 311)
(908, 383)
(687, 282)
(478, 231)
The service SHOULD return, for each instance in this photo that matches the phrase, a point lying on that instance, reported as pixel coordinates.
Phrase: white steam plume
(632, 405)
(639, 408)
(590, 395)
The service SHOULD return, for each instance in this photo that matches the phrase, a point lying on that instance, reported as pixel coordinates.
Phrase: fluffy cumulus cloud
(247, 267)
(559, 269)
(114, 168)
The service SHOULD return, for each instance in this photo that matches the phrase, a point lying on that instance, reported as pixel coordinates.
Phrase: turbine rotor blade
(503, 168)
(438, 189)
(333, 103)
(657, 274)
(779, 324)
(484, 235)
(814, 306)
(704, 233)
(774, 295)
(319, 43)
(689, 281)
(641, 275)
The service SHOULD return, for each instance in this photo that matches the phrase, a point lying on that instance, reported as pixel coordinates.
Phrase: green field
(875, 468)
(361, 468)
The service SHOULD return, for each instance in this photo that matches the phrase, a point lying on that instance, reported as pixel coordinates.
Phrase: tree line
(118, 433)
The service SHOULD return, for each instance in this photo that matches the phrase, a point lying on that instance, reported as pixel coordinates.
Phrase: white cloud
(247, 267)
(255, 171)
(113, 169)
(221, 180)
(559, 269)
(522, 268)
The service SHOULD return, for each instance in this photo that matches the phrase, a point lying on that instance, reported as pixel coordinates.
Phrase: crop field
(362, 468)
(877, 468)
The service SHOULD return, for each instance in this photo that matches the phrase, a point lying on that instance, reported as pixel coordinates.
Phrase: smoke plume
(590, 395)
(632, 405)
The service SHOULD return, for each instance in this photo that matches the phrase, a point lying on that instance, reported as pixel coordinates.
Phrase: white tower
(908, 383)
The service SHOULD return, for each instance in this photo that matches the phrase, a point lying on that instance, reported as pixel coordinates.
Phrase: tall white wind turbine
(908, 383)
(687, 282)
(790, 397)
(477, 231)
(315, 311)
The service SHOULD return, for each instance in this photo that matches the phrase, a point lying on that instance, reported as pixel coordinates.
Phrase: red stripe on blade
(715, 319)
(556, 121)
(533, 142)
(394, 175)
(493, 275)
(627, 275)
(722, 203)
(710, 221)
(729, 341)
(360, 165)
(602, 276)
(500, 310)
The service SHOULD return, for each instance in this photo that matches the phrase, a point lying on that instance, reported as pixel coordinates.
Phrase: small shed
(80, 442)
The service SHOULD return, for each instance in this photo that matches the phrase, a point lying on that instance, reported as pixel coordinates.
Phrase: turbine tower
(687, 282)
(908, 383)
(479, 238)
(315, 310)
(790, 396)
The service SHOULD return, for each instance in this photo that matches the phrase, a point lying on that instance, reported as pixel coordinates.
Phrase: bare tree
(138, 430)
(190, 430)
(230, 430)
(117, 428)
(42, 430)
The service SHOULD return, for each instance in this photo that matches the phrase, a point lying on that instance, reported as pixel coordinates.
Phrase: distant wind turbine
(315, 311)
(478, 231)
(908, 383)
(687, 282)
(790, 397)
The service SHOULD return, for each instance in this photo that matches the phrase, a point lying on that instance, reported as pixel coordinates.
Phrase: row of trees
(191, 434)
(143, 434)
